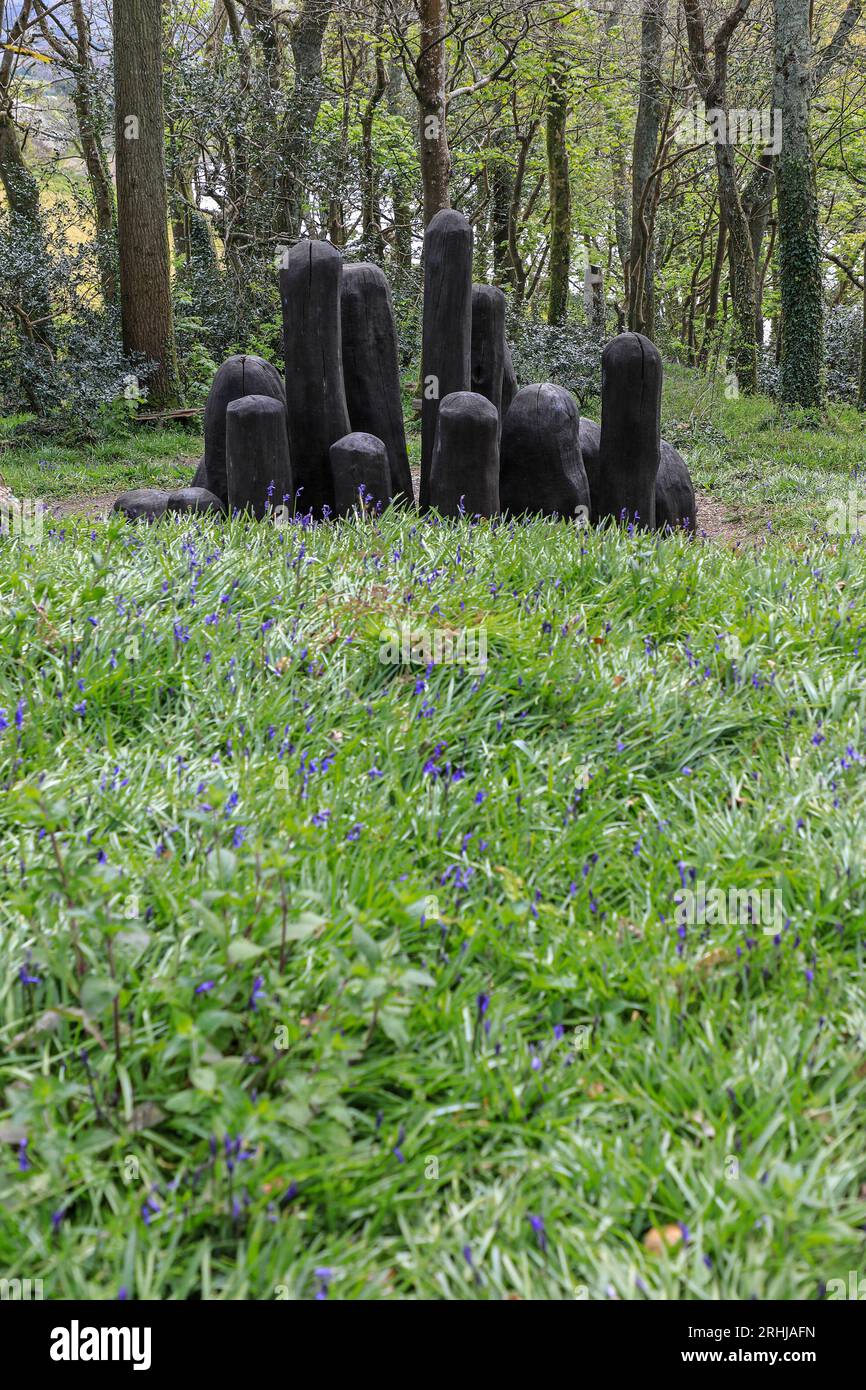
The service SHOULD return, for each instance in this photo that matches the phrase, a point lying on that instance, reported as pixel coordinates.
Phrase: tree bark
(801, 379)
(307, 37)
(646, 135)
(430, 72)
(559, 189)
(861, 394)
(142, 212)
(712, 85)
(95, 159)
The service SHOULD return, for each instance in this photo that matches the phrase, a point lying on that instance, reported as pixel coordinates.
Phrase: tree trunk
(559, 190)
(307, 37)
(430, 71)
(801, 378)
(371, 221)
(861, 394)
(712, 85)
(142, 212)
(95, 159)
(646, 134)
(502, 188)
(402, 238)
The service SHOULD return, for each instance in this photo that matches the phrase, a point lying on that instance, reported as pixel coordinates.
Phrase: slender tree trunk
(307, 37)
(559, 189)
(87, 118)
(861, 394)
(646, 135)
(32, 307)
(402, 238)
(430, 72)
(801, 378)
(712, 85)
(142, 212)
(502, 186)
(371, 220)
(712, 307)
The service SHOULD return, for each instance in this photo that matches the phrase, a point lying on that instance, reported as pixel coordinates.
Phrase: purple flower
(257, 991)
(205, 986)
(483, 1004)
(537, 1224)
(23, 1161)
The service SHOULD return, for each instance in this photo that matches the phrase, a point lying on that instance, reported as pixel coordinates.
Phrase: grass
(766, 464)
(313, 962)
(56, 470)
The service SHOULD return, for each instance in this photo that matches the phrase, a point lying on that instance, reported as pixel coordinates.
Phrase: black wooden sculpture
(675, 495)
(629, 453)
(361, 473)
(464, 474)
(541, 467)
(488, 343)
(510, 385)
(315, 395)
(370, 368)
(241, 375)
(332, 439)
(142, 504)
(259, 468)
(447, 331)
(193, 499)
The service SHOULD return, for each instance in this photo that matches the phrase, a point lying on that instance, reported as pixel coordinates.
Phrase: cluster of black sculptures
(331, 433)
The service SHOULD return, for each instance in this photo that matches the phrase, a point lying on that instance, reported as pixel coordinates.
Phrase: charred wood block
(541, 465)
(510, 386)
(315, 393)
(464, 474)
(142, 504)
(370, 369)
(630, 448)
(590, 442)
(675, 494)
(488, 343)
(361, 473)
(194, 499)
(446, 347)
(259, 468)
(241, 375)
